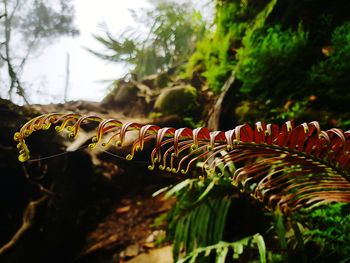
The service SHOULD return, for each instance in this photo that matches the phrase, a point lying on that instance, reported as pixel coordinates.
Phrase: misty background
(65, 64)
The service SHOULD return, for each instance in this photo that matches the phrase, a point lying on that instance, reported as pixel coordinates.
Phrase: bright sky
(45, 75)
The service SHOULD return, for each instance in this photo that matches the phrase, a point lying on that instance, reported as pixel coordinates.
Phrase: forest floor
(130, 232)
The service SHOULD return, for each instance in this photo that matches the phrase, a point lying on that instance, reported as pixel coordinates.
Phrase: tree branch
(29, 213)
(15, 82)
(25, 58)
(14, 9)
(27, 221)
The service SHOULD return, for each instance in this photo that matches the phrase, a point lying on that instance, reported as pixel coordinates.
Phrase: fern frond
(222, 249)
(286, 167)
(201, 225)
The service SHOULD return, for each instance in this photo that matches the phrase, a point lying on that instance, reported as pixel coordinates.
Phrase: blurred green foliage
(327, 233)
(267, 62)
(330, 77)
(214, 56)
(170, 33)
(291, 57)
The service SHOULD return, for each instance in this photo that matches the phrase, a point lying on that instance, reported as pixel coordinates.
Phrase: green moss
(215, 55)
(330, 77)
(267, 60)
(282, 52)
(180, 100)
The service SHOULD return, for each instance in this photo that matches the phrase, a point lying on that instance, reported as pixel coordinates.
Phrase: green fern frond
(284, 167)
(197, 223)
(222, 248)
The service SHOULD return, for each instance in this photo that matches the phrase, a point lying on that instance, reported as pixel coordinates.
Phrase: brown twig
(40, 187)
(27, 221)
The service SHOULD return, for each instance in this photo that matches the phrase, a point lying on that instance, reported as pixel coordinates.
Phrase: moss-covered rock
(132, 98)
(180, 100)
(123, 93)
(157, 81)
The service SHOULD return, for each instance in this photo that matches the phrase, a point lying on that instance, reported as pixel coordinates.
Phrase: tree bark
(222, 115)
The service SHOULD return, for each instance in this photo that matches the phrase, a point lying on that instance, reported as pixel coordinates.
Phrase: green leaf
(221, 255)
(162, 190)
(259, 240)
(178, 187)
(237, 249)
(207, 252)
(208, 189)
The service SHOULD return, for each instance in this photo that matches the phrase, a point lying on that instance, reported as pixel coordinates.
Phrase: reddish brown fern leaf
(286, 167)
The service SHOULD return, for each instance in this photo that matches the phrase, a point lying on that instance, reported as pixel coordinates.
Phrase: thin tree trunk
(66, 87)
